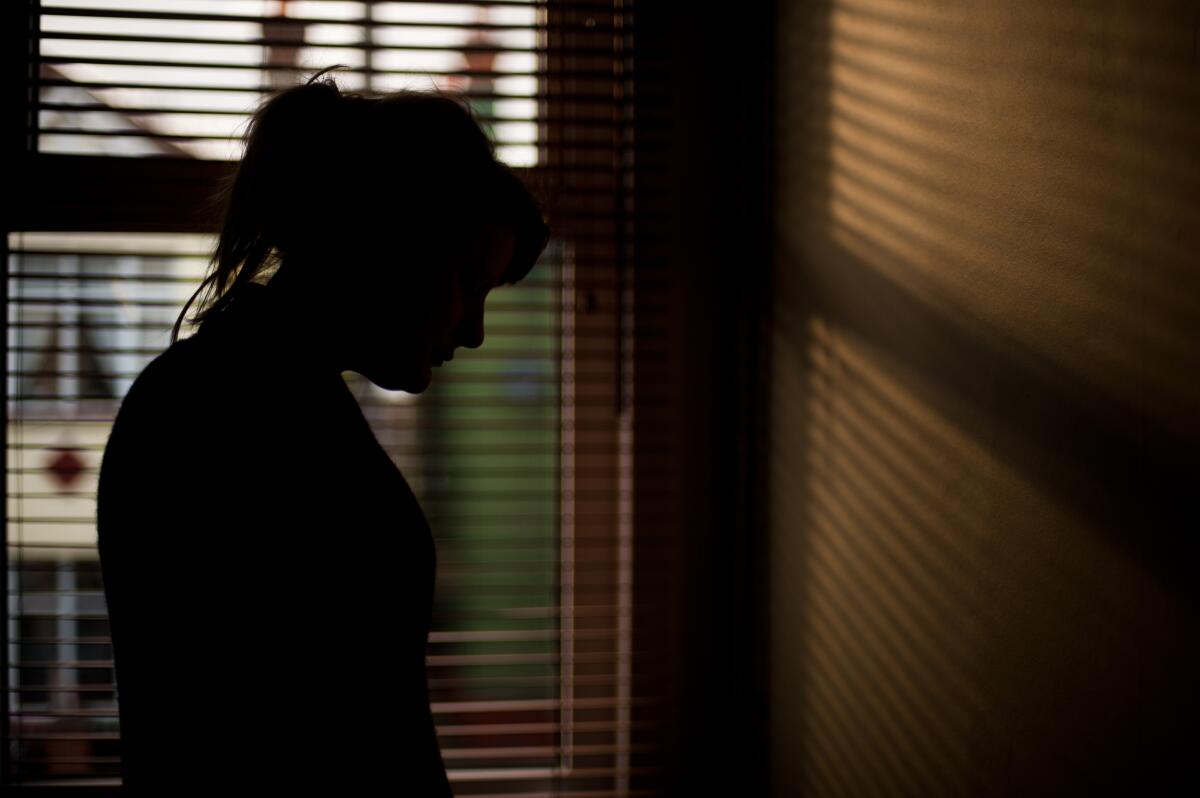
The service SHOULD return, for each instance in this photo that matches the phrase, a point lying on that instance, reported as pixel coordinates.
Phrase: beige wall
(984, 398)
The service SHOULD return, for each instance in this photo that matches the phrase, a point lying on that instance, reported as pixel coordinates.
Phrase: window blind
(544, 460)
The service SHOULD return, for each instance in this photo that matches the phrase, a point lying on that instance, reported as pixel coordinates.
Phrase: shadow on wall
(985, 398)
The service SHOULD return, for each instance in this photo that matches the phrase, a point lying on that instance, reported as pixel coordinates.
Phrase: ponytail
(259, 198)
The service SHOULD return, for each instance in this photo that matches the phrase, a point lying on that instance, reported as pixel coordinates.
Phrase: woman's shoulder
(163, 380)
(174, 382)
(209, 386)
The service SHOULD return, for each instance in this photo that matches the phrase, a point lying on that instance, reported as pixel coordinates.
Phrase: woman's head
(374, 207)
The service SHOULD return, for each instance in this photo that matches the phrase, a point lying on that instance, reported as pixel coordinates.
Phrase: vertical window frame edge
(15, 21)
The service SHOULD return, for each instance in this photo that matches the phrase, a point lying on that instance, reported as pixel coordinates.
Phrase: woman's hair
(331, 177)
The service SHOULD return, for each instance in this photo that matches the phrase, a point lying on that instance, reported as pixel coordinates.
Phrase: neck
(294, 324)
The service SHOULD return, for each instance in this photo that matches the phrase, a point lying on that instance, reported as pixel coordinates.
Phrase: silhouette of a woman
(269, 574)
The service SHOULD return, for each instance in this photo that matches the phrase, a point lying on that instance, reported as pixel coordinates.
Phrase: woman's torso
(269, 575)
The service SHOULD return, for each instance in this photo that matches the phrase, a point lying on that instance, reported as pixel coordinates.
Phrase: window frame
(140, 194)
